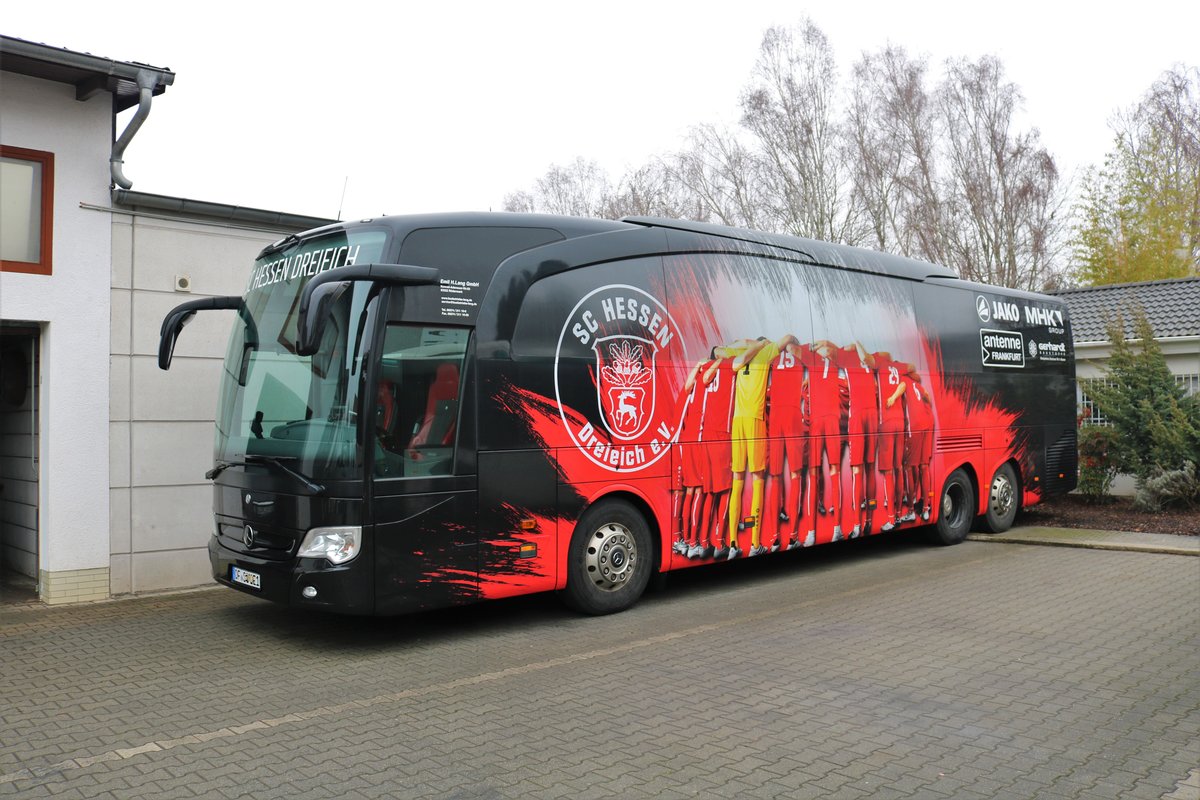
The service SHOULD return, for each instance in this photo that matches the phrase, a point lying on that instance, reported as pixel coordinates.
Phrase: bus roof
(826, 253)
(681, 236)
(403, 224)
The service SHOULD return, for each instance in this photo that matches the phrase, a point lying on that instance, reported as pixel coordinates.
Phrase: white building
(1172, 307)
(102, 458)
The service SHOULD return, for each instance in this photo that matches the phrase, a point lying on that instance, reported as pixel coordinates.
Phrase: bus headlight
(338, 545)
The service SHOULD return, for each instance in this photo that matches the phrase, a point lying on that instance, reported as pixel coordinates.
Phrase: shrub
(1169, 488)
(1097, 464)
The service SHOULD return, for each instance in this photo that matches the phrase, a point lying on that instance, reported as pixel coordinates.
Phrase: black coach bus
(420, 411)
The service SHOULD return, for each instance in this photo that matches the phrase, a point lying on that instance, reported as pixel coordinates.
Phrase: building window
(26, 210)
(1089, 412)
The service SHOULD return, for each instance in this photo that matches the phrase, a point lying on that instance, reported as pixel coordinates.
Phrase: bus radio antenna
(342, 201)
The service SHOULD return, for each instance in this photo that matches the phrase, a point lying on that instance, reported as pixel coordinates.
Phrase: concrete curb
(1134, 542)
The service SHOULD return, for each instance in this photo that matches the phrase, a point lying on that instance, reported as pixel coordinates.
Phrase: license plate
(246, 578)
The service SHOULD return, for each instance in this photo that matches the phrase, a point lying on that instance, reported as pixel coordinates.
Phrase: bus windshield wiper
(309, 483)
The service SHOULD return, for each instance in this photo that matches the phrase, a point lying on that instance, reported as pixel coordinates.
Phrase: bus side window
(436, 427)
(385, 411)
(416, 411)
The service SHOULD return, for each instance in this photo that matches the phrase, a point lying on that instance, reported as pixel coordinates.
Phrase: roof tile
(1171, 306)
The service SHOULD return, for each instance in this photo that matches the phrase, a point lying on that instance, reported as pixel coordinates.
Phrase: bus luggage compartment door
(518, 518)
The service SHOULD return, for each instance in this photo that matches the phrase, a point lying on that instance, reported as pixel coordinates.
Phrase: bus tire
(957, 510)
(610, 559)
(1002, 501)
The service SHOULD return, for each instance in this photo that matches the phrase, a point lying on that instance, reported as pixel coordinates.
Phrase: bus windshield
(299, 410)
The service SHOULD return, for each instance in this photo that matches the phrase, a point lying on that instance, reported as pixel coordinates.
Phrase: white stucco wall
(162, 422)
(72, 305)
(1182, 354)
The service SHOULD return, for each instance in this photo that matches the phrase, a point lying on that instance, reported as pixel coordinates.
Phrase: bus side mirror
(181, 315)
(169, 332)
(318, 295)
(310, 323)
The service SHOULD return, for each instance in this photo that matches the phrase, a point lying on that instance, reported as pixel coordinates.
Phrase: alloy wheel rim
(953, 505)
(1002, 496)
(611, 556)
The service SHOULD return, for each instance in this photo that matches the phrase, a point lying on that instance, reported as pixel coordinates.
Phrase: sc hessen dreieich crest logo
(626, 383)
(625, 336)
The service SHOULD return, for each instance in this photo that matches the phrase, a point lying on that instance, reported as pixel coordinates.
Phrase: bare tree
(721, 178)
(942, 175)
(581, 189)
(893, 130)
(946, 177)
(651, 190)
(675, 199)
(882, 95)
(879, 157)
(584, 189)
(789, 108)
(1163, 130)
(521, 202)
(1001, 193)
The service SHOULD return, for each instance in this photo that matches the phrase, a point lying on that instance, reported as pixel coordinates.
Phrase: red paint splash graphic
(962, 410)
(540, 415)
(959, 405)
(512, 571)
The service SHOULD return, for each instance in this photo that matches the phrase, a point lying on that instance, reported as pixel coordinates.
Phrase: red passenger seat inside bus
(436, 428)
(385, 407)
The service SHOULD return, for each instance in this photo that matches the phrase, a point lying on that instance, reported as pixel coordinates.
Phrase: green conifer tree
(1158, 425)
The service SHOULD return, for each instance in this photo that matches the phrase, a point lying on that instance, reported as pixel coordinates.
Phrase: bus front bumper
(311, 583)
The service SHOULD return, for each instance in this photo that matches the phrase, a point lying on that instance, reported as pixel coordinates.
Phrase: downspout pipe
(146, 81)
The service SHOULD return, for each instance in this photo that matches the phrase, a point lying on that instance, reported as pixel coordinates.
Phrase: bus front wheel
(957, 511)
(1002, 501)
(610, 559)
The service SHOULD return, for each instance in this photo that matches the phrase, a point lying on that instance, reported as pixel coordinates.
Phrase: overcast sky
(446, 106)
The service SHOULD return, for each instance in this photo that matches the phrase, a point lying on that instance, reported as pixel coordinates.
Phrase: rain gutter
(146, 81)
(216, 211)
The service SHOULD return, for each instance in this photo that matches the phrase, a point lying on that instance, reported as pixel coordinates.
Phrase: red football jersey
(864, 394)
(919, 416)
(718, 404)
(890, 374)
(786, 389)
(693, 416)
(824, 392)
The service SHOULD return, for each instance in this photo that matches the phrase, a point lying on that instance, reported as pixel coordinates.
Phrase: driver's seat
(437, 427)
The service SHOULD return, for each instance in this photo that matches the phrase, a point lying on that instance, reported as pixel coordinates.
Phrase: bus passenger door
(423, 503)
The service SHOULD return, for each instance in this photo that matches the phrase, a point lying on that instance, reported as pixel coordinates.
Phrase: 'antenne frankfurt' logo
(618, 338)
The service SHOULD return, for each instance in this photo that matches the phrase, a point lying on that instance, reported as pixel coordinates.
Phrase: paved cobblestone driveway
(875, 669)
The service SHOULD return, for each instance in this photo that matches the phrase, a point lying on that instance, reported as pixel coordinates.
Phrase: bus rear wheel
(610, 559)
(1002, 501)
(957, 511)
